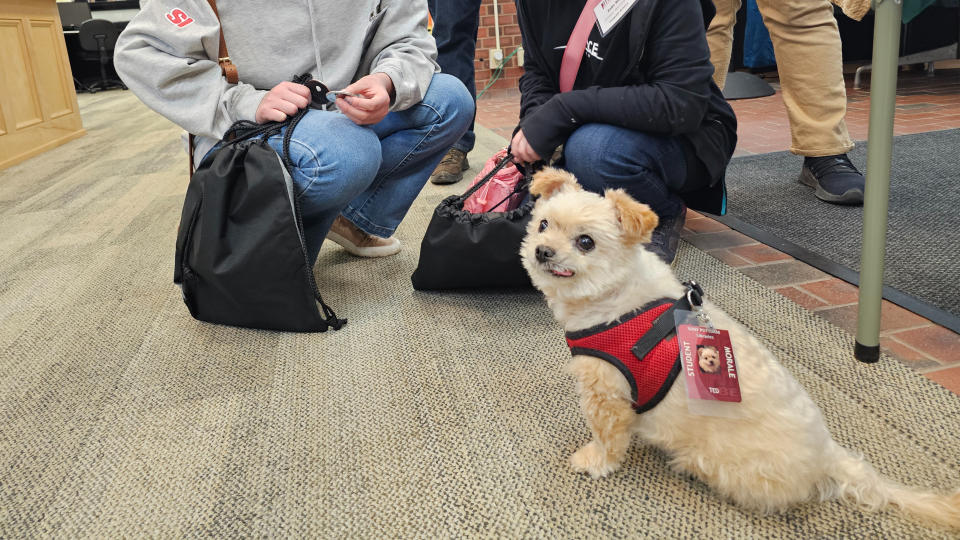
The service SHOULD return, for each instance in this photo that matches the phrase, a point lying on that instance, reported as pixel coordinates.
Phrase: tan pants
(807, 44)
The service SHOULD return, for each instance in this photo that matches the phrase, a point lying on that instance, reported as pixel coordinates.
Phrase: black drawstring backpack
(241, 259)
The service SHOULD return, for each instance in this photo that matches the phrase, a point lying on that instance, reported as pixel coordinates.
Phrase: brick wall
(486, 40)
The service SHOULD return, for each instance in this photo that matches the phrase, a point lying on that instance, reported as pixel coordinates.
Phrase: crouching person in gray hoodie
(359, 165)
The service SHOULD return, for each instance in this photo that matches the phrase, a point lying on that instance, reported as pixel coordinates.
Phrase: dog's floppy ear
(550, 181)
(637, 219)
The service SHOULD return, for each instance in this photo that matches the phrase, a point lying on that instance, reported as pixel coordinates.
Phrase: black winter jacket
(666, 88)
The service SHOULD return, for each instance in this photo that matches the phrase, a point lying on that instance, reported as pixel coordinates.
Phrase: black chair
(97, 39)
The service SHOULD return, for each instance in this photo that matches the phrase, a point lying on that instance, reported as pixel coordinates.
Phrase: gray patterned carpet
(430, 415)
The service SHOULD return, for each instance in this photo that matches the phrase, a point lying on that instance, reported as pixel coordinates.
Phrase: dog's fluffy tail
(857, 481)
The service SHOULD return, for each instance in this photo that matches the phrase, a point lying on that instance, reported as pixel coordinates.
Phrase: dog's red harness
(642, 345)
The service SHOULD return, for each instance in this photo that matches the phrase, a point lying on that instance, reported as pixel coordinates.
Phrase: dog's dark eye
(585, 243)
(543, 225)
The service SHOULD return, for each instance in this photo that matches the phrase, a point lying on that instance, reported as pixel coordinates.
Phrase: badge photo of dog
(586, 253)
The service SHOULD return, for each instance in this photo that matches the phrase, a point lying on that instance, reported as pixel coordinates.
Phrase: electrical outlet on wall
(496, 58)
(520, 56)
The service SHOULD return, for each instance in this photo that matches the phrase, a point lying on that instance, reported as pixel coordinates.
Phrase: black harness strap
(664, 325)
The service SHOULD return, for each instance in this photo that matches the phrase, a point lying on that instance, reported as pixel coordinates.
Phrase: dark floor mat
(923, 233)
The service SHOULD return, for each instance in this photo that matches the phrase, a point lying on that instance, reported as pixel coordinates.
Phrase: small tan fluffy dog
(592, 269)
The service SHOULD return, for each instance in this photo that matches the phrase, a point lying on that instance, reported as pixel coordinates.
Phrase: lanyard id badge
(709, 367)
(610, 12)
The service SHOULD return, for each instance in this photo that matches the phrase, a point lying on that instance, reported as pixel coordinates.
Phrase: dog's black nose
(544, 253)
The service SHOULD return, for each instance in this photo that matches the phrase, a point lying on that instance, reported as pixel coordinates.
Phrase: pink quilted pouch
(495, 195)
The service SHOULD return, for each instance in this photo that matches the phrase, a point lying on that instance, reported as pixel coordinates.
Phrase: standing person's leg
(720, 38)
(651, 168)
(412, 143)
(334, 160)
(806, 41)
(455, 24)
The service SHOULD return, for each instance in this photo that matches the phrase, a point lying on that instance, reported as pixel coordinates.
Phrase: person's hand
(283, 100)
(521, 149)
(373, 101)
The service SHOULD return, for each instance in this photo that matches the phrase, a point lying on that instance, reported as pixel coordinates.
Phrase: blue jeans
(455, 25)
(651, 168)
(372, 174)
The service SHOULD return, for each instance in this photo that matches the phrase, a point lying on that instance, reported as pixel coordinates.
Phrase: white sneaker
(359, 243)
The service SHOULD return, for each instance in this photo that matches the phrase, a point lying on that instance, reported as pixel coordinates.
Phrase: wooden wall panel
(51, 83)
(38, 105)
(3, 120)
(19, 84)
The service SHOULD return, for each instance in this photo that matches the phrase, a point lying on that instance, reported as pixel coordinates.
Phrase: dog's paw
(592, 459)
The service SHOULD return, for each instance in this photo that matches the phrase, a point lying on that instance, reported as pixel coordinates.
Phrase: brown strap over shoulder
(223, 57)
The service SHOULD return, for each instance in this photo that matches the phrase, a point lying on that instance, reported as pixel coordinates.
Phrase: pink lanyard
(573, 53)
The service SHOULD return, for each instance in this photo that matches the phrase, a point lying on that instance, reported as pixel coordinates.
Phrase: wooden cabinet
(38, 105)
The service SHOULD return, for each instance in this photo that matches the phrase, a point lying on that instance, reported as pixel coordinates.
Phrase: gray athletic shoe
(834, 178)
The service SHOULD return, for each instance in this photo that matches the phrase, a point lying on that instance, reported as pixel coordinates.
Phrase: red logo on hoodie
(179, 18)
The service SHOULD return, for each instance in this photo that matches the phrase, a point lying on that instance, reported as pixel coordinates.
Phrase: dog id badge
(709, 368)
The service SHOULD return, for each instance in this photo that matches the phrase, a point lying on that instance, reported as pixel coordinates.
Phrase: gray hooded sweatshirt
(167, 55)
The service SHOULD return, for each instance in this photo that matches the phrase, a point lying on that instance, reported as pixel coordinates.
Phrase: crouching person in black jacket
(642, 112)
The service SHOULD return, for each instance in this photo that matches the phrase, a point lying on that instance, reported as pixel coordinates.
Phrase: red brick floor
(923, 104)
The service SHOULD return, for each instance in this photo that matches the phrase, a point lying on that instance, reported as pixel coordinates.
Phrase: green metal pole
(883, 93)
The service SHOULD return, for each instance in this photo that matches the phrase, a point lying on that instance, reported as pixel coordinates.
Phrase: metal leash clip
(695, 299)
